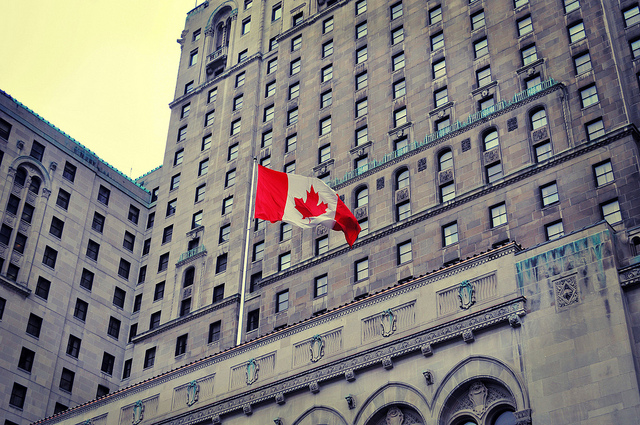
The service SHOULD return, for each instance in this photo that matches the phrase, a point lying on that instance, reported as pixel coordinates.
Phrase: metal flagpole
(246, 254)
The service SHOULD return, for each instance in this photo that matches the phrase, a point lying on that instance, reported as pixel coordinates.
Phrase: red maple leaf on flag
(310, 207)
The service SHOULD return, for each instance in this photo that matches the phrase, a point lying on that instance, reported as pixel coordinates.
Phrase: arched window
(188, 276)
(538, 118)
(504, 418)
(362, 197)
(490, 139)
(635, 243)
(402, 179)
(445, 160)
(35, 185)
(21, 176)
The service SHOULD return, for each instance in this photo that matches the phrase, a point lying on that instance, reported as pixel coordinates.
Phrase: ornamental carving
(350, 375)
(467, 295)
(566, 291)
(467, 336)
(402, 194)
(539, 134)
(426, 350)
(514, 321)
(252, 371)
(317, 348)
(466, 145)
(422, 164)
(387, 363)
(280, 398)
(428, 377)
(394, 416)
(193, 389)
(215, 419)
(478, 396)
(512, 124)
(321, 230)
(351, 401)
(314, 387)
(138, 412)
(380, 183)
(445, 176)
(388, 323)
(492, 156)
(247, 409)
(359, 213)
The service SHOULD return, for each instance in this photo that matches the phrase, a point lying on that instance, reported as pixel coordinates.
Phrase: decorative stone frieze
(491, 156)
(445, 176)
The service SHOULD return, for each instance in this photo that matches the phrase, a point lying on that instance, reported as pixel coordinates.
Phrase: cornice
(629, 276)
(15, 286)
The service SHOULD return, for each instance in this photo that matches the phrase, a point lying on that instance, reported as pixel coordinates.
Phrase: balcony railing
(185, 256)
(518, 97)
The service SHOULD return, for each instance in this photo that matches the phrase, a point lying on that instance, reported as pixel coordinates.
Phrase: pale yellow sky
(103, 71)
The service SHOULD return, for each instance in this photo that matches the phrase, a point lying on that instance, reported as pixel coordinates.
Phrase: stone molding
(629, 276)
(15, 286)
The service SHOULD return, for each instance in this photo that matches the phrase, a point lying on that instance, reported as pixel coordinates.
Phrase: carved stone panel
(512, 124)
(445, 176)
(422, 164)
(566, 291)
(402, 194)
(539, 134)
(361, 212)
(466, 145)
(491, 156)
(380, 183)
(321, 230)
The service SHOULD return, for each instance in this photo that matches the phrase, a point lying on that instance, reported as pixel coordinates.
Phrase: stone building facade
(489, 151)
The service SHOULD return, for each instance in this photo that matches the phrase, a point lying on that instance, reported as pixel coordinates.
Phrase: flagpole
(245, 266)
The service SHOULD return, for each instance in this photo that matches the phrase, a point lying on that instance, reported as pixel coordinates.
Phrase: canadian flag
(302, 201)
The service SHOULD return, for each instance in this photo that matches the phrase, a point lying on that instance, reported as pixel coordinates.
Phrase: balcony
(217, 60)
(192, 254)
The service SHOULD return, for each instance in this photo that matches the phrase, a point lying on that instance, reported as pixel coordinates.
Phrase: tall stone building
(489, 151)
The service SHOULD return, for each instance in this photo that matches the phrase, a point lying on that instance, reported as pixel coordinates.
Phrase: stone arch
(33, 168)
(404, 396)
(320, 415)
(502, 387)
(219, 25)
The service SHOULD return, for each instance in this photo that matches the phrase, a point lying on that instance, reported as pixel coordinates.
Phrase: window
(554, 230)
(137, 303)
(294, 67)
(291, 143)
(154, 320)
(518, 3)
(549, 194)
(442, 123)
(66, 380)
(227, 205)
(441, 96)
(181, 345)
(212, 95)
(123, 271)
(42, 288)
(80, 310)
(56, 228)
(149, 357)
(361, 55)
(86, 279)
(439, 69)
(163, 262)
(272, 65)
(114, 327)
(203, 167)
(296, 43)
(362, 197)
(361, 30)
(221, 263)
(270, 89)
(324, 153)
(603, 172)
(151, 219)
(361, 108)
(182, 134)
(126, 371)
(37, 151)
(14, 203)
(235, 127)
(210, 116)
(237, 102)
(18, 395)
(290, 167)
(403, 210)
(481, 47)
(27, 213)
(404, 252)
(214, 332)
(588, 96)
(631, 16)
(397, 35)
(327, 25)
(327, 48)
(450, 234)
(437, 41)
(494, 172)
(102, 391)
(103, 195)
(538, 119)
(5, 234)
(133, 331)
(233, 152)
(543, 151)
(483, 76)
(69, 172)
(26, 359)
(253, 319)
(218, 293)
(142, 274)
(285, 232)
(490, 140)
(322, 245)
(284, 261)
(129, 241)
(435, 15)
(258, 251)
(292, 116)
(611, 212)
(158, 292)
(362, 135)
(400, 117)
(3, 303)
(73, 346)
(167, 234)
(154, 198)
(582, 63)
(196, 35)
(5, 129)
(93, 249)
(193, 57)
(576, 32)
(529, 55)
(525, 26)
(49, 257)
(361, 81)
(498, 215)
(276, 12)
(282, 301)
(361, 7)
(177, 158)
(107, 363)
(486, 103)
(34, 325)
(273, 43)
(571, 5)
(477, 20)
(255, 280)
(246, 26)
(242, 56)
